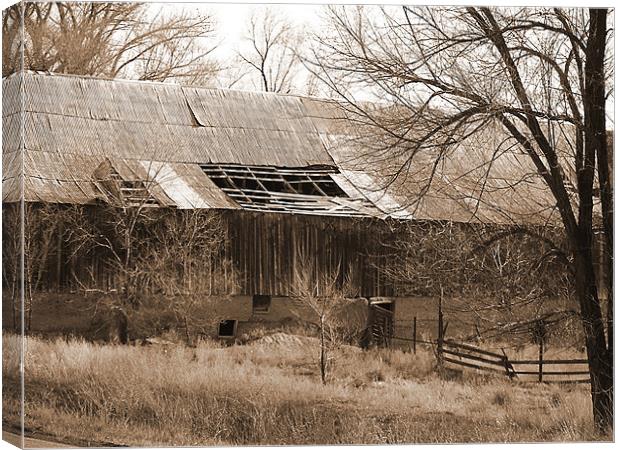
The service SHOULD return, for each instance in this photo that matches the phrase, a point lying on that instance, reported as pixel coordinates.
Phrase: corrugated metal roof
(72, 124)
(356, 182)
(474, 183)
(169, 123)
(11, 96)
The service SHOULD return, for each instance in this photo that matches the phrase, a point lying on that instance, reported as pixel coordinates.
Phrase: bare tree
(114, 40)
(494, 281)
(270, 53)
(185, 263)
(119, 232)
(537, 76)
(38, 236)
(327, 303)
(161, 257)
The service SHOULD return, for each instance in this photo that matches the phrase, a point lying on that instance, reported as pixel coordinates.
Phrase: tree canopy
(112, 40)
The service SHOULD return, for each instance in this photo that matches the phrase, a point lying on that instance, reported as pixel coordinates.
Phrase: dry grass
(269, 392)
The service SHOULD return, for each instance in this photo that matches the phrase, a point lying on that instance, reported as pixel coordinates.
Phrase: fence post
(386, 333)
(540, 333)
(540, 360)
(440, 331)
(415, 333)
(508, 366)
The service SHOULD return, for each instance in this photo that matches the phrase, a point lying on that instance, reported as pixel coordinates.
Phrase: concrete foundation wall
(286, 310)
(66, 313)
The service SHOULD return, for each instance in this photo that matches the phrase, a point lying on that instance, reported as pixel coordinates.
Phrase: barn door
(382, 323)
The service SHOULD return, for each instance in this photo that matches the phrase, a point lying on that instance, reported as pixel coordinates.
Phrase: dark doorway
(385, 305)
(381, 322)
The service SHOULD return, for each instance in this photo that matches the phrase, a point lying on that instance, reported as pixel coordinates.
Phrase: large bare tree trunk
(571, 99)
(600, 355)
(600, 360)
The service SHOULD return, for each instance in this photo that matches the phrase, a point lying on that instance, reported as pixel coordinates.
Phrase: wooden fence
(542, 370)
(472, 357)
(449, 351)
(563, 370)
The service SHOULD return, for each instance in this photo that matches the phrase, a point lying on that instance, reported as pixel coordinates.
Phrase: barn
(279, 170)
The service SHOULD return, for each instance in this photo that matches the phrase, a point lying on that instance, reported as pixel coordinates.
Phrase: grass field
(269, 392)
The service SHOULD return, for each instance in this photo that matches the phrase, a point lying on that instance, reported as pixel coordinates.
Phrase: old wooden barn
(280, 171)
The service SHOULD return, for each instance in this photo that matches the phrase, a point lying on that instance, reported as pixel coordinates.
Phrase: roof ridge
(164, 83)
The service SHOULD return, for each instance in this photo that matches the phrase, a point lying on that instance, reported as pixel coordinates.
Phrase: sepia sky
(232, 19)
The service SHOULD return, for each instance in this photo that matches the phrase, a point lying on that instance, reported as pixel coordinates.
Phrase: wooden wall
(267, 248)
(262, 252)
(264, 248)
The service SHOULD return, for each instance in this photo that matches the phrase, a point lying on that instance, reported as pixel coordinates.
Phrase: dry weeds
(269, 392)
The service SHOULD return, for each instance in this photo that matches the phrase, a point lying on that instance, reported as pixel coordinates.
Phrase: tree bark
(600, 355)
(323, 359)
(599, 361)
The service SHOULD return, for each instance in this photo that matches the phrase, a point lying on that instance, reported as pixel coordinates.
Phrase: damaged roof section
(152, 183)
(122, 186)
(301, 190)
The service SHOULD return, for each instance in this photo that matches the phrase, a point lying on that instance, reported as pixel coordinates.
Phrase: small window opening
(135, 193)
(261, 303)
(227, 328)
(131, 193)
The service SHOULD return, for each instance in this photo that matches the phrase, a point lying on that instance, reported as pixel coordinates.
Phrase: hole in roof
(306, 190)
(123, 192)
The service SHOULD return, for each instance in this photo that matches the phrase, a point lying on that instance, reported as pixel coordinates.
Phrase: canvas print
(306, 224)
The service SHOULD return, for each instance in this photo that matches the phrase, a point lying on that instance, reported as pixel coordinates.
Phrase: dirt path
(30, 442)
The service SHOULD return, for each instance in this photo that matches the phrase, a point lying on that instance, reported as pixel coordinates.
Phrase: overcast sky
(231, 29)
(232, 19)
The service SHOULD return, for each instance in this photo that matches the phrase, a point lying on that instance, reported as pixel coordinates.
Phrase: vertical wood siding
(266, 248)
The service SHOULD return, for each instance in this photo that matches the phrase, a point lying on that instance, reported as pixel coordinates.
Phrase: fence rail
(550, 361)
(475, 358)
(480, 359)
